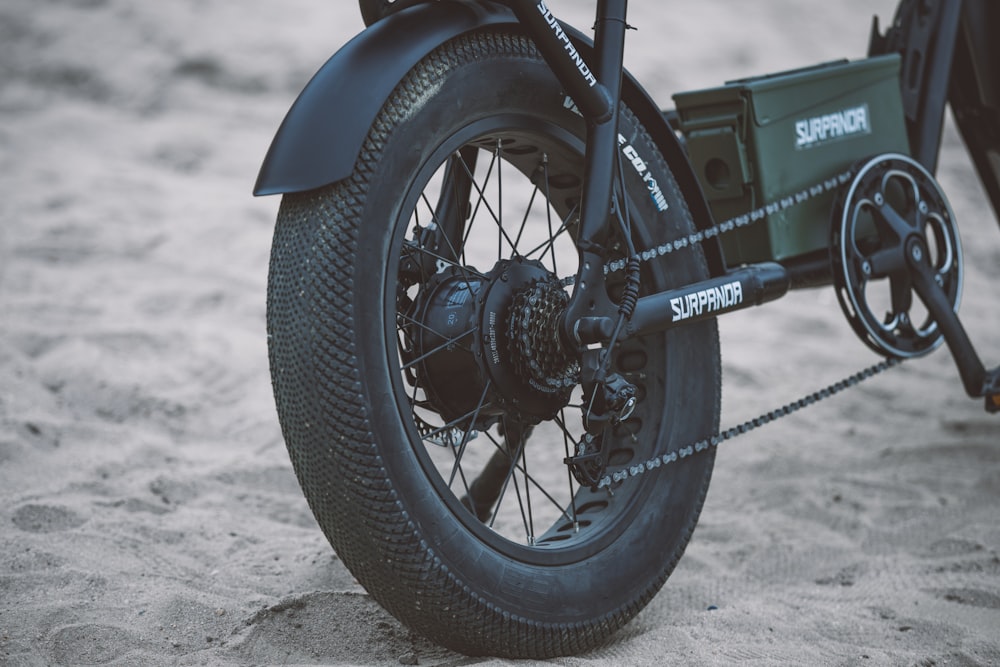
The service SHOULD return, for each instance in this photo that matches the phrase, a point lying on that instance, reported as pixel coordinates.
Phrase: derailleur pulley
(609, 399)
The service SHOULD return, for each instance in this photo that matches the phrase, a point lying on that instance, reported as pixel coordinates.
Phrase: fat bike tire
(410, 326)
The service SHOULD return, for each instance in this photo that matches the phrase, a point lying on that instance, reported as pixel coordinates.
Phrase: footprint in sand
(335, 628)
(46, 518)
(972, 597)
(91, 644)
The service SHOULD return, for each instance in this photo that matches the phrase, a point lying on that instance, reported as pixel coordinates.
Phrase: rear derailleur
(608, 399)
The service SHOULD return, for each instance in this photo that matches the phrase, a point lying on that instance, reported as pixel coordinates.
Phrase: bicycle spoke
(513, 456)
(525, 516)
(519, 468)
(484, 201)
(465, 440)
(548, 246)
(485, 222)
(410, 364)
(524, 220)
(467, 272)
(568, 445)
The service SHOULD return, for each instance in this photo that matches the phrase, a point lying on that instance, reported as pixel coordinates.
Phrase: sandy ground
(148, 512)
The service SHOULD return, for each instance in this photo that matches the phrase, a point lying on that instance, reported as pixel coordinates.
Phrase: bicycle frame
(408, 316)
(314, 148)
(596, 92)
(929, 45)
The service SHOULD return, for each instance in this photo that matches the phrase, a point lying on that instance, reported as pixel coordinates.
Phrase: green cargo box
(757, 141)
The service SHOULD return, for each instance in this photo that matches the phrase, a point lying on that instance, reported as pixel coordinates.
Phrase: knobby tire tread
(319, 386)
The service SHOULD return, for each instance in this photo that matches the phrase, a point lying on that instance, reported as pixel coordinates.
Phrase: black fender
(321, 136)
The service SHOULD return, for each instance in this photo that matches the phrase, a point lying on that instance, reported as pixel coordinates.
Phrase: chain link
(760, 213)
(747, 426)
(738, 222)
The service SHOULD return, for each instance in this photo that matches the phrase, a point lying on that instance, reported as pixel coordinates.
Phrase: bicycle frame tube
(596, 90)
(592, 97)
(928, 35)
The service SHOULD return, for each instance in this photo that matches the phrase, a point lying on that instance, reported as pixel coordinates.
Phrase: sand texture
(148, 511)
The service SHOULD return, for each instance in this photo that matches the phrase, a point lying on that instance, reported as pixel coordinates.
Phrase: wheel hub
(482, 346)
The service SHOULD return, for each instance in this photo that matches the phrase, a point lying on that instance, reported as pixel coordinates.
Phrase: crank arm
(978, 381)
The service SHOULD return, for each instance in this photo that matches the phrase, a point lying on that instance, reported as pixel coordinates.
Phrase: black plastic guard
(321, 136)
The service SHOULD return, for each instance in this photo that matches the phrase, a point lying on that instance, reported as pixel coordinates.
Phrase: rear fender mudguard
(321, 136)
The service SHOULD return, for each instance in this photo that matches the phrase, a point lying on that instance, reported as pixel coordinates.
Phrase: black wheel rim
(543, 515)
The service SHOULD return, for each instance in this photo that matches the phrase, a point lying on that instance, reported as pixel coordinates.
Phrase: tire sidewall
(622, 576)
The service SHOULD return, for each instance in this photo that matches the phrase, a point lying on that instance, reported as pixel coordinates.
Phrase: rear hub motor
(490, 345)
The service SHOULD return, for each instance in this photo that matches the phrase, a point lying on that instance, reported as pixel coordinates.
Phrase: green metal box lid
(756, 140)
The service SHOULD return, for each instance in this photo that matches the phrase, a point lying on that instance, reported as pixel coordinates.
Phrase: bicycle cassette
(892, 202)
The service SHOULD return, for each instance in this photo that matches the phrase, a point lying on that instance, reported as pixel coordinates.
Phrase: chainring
(870, 270)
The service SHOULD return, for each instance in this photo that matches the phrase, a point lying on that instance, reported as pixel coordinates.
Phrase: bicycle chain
(749, 425)
(739, 222)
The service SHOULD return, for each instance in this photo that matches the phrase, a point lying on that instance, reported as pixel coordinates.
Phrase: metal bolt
(627, 409)
(917, 253)
(879, 199)
(922, 206)
(866, 267)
